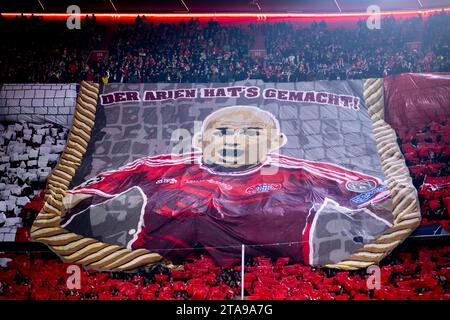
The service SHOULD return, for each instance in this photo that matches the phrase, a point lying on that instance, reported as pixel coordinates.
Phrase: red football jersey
(189, 204)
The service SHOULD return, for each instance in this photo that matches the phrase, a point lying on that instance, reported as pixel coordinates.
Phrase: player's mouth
(235, 153)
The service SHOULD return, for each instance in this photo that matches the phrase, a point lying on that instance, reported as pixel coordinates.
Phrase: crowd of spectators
(427, 154)
(188, 51)
(46, 51)
(319, 53)
(408, 274)
(185, 52)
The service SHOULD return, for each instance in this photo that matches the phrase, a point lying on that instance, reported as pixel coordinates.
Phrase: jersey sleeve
(107, 185)
(349, 188)
(111, 183)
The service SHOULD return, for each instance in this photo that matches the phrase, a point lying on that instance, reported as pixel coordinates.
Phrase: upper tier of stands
(46, 51)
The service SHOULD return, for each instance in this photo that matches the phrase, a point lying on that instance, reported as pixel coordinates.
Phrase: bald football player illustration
(236, 189)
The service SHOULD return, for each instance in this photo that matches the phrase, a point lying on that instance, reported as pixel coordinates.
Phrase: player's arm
(105, 186)
(354, 189)
(349, 188)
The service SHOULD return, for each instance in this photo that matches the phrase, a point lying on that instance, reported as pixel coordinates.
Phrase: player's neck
(220, 168)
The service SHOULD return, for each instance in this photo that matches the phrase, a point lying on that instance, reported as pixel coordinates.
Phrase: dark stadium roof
(170, 6)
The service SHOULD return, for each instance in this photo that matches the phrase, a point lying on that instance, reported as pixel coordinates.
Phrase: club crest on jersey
(361, 186)
(264, 187)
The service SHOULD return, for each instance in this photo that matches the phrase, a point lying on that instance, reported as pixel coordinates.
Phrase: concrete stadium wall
(38, 103)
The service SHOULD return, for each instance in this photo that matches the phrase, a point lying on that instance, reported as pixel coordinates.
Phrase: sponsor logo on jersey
(361, 186)
(363, 197)
(264, 187)
(224, 185)
(166, 181)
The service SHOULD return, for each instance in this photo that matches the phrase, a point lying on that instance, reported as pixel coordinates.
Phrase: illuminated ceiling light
(255, 4)
(184, 4)
(110, 1)
(230, 15)
(337, 5)
(42, 6)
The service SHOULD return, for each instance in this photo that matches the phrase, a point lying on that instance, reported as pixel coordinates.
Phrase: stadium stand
(141, 52)
(190, 52)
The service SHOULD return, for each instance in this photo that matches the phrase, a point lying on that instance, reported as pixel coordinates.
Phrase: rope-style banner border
(46, 228)
(406, 212)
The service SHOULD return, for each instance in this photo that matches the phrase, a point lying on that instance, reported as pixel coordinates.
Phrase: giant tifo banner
(153, 172)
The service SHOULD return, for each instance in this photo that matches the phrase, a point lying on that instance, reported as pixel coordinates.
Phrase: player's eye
(220, 132)
(252, 132)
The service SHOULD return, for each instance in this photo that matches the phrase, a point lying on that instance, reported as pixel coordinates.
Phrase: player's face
(238, 138)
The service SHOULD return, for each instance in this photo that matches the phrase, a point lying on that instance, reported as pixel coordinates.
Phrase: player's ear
(197, 141)
(279, 141)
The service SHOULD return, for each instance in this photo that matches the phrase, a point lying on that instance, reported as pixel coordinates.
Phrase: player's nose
(231, 144)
